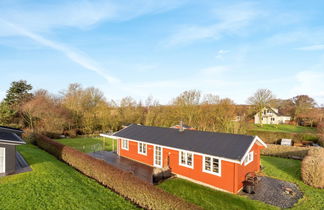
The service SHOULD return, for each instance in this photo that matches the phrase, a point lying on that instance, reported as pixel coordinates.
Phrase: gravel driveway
(276, 192)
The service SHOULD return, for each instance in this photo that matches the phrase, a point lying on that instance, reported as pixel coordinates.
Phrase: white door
(158, 156)
(2, 159)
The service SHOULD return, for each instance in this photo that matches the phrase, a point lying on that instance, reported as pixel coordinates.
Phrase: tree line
(78, 110)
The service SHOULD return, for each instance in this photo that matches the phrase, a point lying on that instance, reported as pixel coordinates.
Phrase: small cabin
(9, 139)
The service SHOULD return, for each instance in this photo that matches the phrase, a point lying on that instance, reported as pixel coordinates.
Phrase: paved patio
(272, 191)
(140, 170)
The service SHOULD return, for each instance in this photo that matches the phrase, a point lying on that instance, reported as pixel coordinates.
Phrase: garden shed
(9, 139)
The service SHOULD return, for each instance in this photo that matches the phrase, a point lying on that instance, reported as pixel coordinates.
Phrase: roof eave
(256, 138)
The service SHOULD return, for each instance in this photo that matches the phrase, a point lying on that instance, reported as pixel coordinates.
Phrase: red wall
(251, 167)
(232, 174)
(132, 153)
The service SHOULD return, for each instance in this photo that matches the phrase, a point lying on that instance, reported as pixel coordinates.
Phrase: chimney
(181, 129)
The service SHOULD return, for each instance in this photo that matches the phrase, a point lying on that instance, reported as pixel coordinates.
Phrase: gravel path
(274, 192)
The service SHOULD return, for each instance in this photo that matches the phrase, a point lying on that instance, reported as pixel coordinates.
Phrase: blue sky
(140, 48)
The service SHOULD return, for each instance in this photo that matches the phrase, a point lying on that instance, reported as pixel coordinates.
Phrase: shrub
(285, 151)
(143, 194)
(321, 140)
(312, 169)
(29, 136)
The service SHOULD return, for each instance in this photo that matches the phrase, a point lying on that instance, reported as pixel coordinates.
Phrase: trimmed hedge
(312, 168)
(285, 151)
(273, 137)
(321, 140)
(127, 185)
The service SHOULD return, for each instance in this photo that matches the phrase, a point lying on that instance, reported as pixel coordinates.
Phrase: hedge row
(285, 151)
(127, 185)
(274, 137)
(312, 168)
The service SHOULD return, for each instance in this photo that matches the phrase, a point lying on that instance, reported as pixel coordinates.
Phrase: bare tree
(302, 105)
(261, 98)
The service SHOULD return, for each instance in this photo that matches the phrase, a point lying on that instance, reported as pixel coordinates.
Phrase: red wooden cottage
(218, 160)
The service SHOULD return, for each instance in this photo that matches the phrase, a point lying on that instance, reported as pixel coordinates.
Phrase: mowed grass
(208, 198)
(289, 170)
(283, 128)
(53, 184)
(88, 145)
(280, 168)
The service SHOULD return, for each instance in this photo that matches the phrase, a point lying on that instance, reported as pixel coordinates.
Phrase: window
(211, 165)
(186, 159)
(125, 144)
(273, 119)
(157, 156)
(249, 158)
(142, 148)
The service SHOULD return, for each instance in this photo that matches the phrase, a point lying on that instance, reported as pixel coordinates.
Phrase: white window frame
(219, 173)
(161, 157)
(249, 158)
(4, 160)
(186, 159)
(142, 148)
(127, 144)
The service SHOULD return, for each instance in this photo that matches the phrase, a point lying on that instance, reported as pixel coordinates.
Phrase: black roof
(10, 135)
(10, 128)
(231, 146)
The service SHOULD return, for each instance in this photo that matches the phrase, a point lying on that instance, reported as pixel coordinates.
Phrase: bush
(29, 136)
(321, 140)
(285, 151)
(141, 193)
(312, 169)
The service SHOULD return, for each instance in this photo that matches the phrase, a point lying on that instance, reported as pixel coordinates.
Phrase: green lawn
(209, 198)
(89, 144)
(54, 185)
(284, 169)
(283, 128)
(289, 170)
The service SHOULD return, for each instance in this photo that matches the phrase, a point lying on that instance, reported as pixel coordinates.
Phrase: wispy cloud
(76, 56)
(230, 21)
(311, 83)
(306, 36)
(220, 54)
(312, 47)
(44, 17)
(214, 71)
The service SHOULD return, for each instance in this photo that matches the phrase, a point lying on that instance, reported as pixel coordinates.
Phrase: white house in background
(270, 115)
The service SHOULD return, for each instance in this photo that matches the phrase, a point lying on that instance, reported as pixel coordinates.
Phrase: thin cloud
(220, 54)
(82, 14)
(75, 56)
(230, 21)
(311, 83)
(312, 47)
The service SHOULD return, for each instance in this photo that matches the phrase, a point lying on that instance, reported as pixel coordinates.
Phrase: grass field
(54, 185)
(284, 169)
(89, 144)
(283, 128)
(208, 198)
